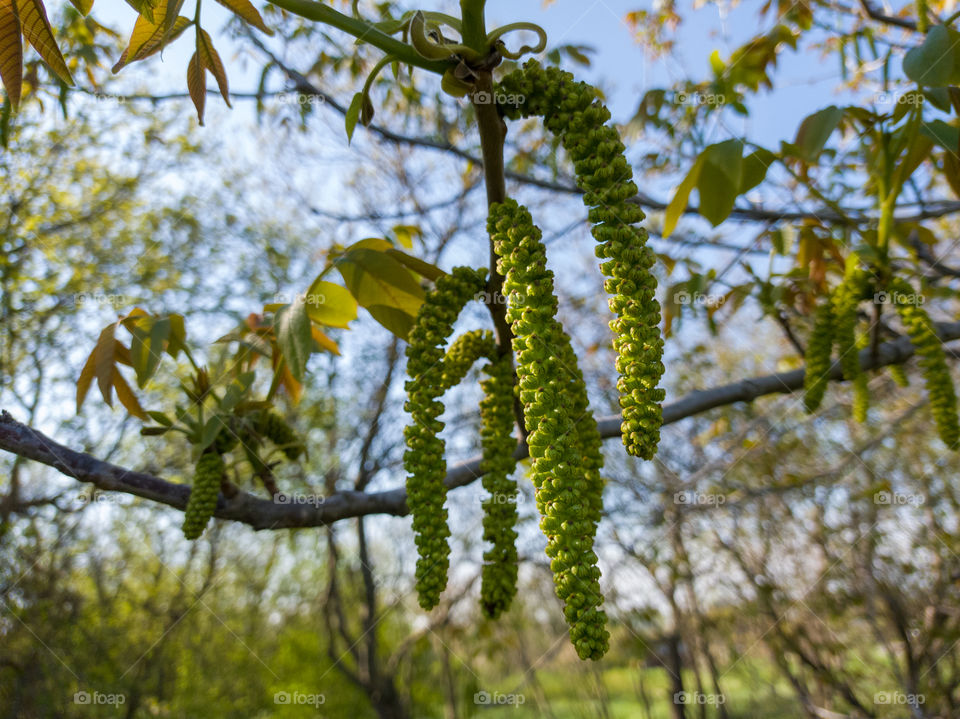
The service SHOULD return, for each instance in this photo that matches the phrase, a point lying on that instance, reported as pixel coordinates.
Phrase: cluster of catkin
(563, 438)
(835, 326)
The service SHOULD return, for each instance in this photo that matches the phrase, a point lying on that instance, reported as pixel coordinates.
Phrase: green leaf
(177, 342)
(149, 336)
(421, 267)
(160, 418)
(382, 285)
(814, 132)
(934, 62)
(940, 132)
(755, 166)
(210, 431)
(353, 115)
(331, 305)
(939, 97)
(292, 326)
(680, 198)
(720, 179)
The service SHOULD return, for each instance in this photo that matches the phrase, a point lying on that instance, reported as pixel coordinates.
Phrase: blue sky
(620, 63)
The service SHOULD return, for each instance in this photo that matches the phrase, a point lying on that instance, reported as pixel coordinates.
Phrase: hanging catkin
(203, 494)
(499, 575)
(572, 112)
(566, 495)
(424, 460)
(932, 361)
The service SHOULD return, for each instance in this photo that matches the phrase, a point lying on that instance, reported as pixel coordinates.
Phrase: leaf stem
(474, 32)
(362, 30)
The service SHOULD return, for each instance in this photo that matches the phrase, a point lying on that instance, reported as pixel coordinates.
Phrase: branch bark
(259, 513)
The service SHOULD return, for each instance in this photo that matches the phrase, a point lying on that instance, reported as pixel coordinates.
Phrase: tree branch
(259, 513)
(871, 12)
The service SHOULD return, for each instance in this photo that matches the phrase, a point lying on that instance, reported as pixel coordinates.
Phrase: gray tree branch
(259, 513)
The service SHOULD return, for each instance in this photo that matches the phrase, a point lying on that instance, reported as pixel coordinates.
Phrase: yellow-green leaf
(36, 28)
(210, 59)
(323, 341)
(83, 6)
(149, 37)
(197, 85)
(331, 305)
(679, 202)
(143, 7)
(246, 10)
(104, 363)
(382, 285)
(126, 396)
(421, 267)
(11, 51)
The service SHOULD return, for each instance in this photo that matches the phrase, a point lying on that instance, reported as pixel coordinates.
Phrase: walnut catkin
(572, 111)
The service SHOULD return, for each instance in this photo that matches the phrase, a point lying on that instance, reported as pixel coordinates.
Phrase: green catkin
(499, 575)
(271, 425)
(861, 389)
(922, 22)
(423, 460)
(565, 491)
(203, 495)
(846, 302)
(573, 113)
(464, 351)
(932, 361)
(819, 349)
(899, 375)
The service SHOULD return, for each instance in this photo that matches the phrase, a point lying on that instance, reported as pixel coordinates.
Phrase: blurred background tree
(768, 562)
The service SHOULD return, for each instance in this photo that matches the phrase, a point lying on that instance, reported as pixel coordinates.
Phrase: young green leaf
(294, 338)
(815, 130)
(720, 179)
(352, 115)
(680, 198)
